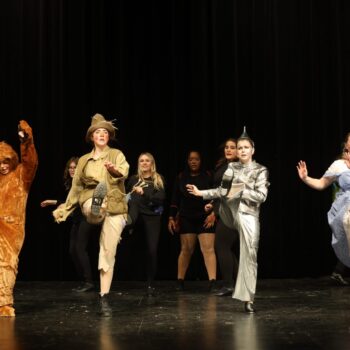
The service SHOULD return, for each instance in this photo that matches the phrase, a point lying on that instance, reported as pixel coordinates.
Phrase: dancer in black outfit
(146, 203)
(226, 239)
(193, 221)
(79, 233)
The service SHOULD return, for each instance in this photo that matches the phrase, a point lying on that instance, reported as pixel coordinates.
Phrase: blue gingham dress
(339, 211)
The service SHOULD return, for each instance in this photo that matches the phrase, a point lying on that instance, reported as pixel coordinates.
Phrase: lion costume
(14, 188)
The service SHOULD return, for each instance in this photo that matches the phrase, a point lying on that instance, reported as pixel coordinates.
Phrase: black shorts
(194, 225)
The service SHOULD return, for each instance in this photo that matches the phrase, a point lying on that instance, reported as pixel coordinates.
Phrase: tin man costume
(244, 187)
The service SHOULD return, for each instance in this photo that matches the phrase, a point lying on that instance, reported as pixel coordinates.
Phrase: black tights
(151, 224)
(226, 247)
(78, 248)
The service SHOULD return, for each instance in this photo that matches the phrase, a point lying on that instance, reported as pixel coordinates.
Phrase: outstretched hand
(194, 190)
(302, 170)
(138, 190)
(112, 169)
(48, 202)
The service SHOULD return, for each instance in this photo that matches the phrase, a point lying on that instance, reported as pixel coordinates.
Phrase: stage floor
(292, 314)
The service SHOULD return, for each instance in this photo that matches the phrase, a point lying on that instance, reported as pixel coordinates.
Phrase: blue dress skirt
(337, 219)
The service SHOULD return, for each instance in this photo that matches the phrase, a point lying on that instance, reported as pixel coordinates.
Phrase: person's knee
(207, 249)
(187, 249)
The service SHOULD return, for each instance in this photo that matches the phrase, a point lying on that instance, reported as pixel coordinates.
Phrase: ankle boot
(212, 286)
(248, 307)
(180, 285)
(151, 291)
(105, 308)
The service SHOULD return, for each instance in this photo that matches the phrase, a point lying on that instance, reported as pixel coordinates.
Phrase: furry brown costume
(14, 188)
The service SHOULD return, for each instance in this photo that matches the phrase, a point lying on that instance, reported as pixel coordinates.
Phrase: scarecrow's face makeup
(100, 137)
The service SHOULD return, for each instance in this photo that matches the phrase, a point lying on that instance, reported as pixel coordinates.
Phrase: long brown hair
(222, 160)
(67, 180)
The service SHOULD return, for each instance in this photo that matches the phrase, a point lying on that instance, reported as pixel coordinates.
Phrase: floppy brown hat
(98, 121)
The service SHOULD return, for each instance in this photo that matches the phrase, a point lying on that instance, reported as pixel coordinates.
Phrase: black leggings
(151, 224)
(226, 247)
(78, 248)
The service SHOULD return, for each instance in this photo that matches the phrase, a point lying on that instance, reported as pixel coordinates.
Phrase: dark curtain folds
(178, 75)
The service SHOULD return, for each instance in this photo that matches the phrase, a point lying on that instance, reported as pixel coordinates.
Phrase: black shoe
(248, 307)
(105, 308)
(224, 291)
(212, 286)
(97, 198)
(85, 287)
(151, 291)
(339, 279)
(180, 285)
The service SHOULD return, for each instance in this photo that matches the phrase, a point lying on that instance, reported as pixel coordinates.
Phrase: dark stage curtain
(176, 75)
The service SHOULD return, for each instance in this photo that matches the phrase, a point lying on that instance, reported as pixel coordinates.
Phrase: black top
(187, 204)
(219, 172)
(217, 178)
(151, 202)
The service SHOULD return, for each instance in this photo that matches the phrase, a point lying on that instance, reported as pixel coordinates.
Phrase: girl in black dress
(189, 218)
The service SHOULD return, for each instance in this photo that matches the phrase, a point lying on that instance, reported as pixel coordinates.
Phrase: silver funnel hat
(245, 136)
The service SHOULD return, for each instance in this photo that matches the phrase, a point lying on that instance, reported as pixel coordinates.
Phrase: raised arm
(317, 184)
(29, 157)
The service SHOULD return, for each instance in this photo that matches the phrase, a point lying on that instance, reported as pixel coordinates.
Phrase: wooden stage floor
(298, 314)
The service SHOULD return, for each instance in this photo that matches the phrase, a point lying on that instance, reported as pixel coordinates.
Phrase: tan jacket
(83, 184)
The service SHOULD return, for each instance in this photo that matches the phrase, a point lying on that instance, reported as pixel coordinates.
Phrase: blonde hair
(158, 182)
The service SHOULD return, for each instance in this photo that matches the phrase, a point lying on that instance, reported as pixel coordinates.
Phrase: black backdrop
(181, 74)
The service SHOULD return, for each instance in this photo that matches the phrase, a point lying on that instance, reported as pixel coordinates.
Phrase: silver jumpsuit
(242, 211)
